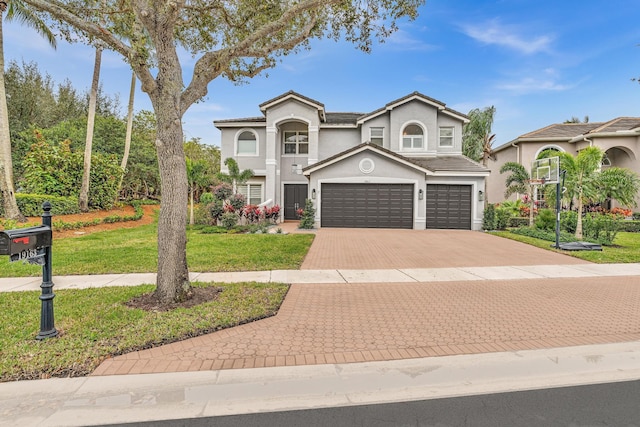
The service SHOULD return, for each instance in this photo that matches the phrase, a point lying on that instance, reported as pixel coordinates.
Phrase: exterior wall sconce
(294, 168)
(420, 194)
(480, 196)
(313, 194)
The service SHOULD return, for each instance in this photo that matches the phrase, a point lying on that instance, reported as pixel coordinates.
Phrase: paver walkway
(351, 248)
(338, 323)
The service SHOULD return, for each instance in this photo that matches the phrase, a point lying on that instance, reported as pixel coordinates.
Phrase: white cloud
(494, 32)
(405, 41)
(547, 81)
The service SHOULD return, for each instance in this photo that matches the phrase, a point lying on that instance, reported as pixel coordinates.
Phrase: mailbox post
(47, 328)
(33, 245)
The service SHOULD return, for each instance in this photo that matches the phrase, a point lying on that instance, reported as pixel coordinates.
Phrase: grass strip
(134, 250)
(95, 324)
(626, 248)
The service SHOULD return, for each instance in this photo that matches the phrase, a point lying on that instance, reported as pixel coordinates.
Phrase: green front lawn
(134, 250)
(95, 324)
(626, 248)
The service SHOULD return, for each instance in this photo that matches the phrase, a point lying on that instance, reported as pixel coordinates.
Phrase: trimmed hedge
(629, 226)
(517, 221)
(31, 204)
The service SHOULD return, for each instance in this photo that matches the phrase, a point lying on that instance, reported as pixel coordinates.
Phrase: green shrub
(601, 228)
(308, 219)
(229, 220)
(206, 198)
(635, 216)
(546, 220)
(629, 226)
(489, 217)
(31, 204)
(222, 192)
(516, 221)
(237, 201)
(502, 218)
(216, 209)
(57, 170)
(568, 221)
(543, 234)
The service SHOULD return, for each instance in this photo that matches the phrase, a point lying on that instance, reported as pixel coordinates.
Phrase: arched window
(412, 137)
(247, 144)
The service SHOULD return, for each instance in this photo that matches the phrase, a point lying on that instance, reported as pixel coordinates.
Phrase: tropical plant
(477, 138)
(518, 181)
(234, 177)
(19, 11)
(581, 177)
(618, 184)
(198, 179)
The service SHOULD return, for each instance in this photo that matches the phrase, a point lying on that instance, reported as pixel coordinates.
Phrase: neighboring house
(400, 166)
(618, 138)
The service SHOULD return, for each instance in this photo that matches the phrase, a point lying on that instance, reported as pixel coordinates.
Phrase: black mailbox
(25, 243)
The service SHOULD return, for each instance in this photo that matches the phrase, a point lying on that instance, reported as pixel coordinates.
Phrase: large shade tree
(235, 39)
(17, 11)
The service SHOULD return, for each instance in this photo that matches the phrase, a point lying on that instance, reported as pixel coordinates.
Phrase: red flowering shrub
(622, 211)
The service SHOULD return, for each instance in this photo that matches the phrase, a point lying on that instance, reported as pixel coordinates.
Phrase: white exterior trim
(425, 137)
(235, 143)
(547, 147)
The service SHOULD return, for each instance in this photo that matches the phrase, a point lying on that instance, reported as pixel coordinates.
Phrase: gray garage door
(449, 206)
(367, 205)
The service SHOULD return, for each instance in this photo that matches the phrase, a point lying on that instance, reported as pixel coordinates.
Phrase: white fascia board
(240, 124)
(455, 116)
(367, 148)
(453, 173)
(620, 133)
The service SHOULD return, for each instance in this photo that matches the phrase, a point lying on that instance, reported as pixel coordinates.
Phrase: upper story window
(376, 136)
(296, 142)
(446, 137)
(247, 144)
(412, 137)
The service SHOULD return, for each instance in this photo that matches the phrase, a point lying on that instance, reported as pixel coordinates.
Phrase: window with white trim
(412, 137)
(252, 193)
(376, 136)
(247, 144)
(446, 136)
(296, 142)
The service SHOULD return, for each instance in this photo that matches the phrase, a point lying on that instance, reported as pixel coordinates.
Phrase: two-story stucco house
(619, 138)
(400, 166)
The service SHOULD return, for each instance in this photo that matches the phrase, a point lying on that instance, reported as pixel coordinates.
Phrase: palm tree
(83, 200)
(620, 184)
(518, 182)
(17, 10)
(581, 181)
(235, 177)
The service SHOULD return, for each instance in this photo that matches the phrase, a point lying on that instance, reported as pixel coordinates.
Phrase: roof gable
(366, 146)
(415, 96)
(291, 95)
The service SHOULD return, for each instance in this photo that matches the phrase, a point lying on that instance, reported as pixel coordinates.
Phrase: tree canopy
(236, 39)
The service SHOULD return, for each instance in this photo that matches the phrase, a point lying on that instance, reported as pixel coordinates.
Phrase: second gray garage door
(367, 205)
(449, 206)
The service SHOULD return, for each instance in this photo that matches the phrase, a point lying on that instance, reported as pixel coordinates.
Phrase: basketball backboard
(547, 170)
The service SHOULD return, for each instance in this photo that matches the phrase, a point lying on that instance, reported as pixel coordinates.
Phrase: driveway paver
(353, 322)
(360, 249)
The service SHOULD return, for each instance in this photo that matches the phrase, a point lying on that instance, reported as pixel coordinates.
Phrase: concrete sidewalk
(403, 275)
(153, 397)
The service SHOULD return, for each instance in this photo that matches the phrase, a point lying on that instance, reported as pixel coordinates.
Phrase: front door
(294, 197)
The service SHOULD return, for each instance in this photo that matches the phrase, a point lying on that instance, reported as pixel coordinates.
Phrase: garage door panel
(367, 205)
(448, 206)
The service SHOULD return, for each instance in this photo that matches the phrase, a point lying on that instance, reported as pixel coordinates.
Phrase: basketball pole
(559, 187)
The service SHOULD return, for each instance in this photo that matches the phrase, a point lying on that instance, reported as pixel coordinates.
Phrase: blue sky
(537, 61)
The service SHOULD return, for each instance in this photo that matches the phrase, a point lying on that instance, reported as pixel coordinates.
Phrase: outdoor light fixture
(294, 168)
(313, 193)
(420, 194)
(480, 196)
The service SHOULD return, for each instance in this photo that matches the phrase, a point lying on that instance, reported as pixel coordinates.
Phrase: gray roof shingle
(454, 163)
